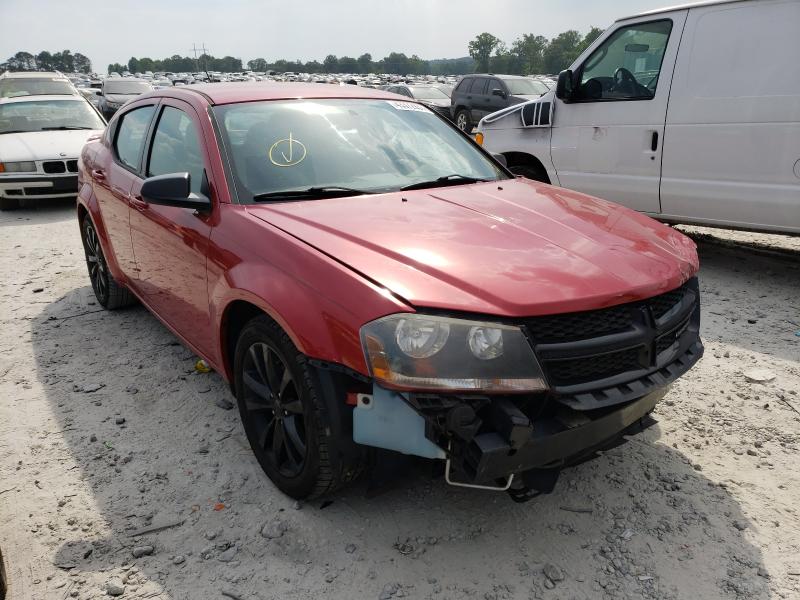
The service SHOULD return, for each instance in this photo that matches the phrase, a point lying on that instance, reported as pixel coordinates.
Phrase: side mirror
(564, 87)
(498, 92)
(173, 189)
(99, 92)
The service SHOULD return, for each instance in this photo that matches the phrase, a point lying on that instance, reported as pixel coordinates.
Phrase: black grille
(596, 367)
(54, 166)
(577, 326)
(621, 342)
(72, 166)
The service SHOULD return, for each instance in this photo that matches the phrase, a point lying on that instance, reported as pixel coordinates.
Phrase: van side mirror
(173, 189)
(498, 92)
(564, 87)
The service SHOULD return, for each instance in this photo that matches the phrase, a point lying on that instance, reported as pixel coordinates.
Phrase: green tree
(82, 63)
(116, 68)
(529, 51)
(348, 65)
(257, 64)
(481, 49)
(331, 64)
(44, 60)
(587, 40)
(133, 65)
(313, 66)
(561, 51)
(397, 63)
(365, 63)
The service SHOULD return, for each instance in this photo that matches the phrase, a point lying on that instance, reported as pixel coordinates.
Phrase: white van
(690, 114)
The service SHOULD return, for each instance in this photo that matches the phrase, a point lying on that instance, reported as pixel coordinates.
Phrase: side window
(463, 85)
(494, 84)
(480, 86)
(176, 147)
(131, 132)
(405, 92)
(626, 66)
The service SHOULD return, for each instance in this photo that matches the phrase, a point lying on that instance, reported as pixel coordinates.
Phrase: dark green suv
(476, 96)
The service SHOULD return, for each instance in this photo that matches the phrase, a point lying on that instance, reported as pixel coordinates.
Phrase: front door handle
(654, 142)
(137, 202)
(98, 174)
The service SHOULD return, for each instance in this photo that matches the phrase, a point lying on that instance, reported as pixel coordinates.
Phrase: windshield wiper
(65, 128)
(328, 191)
(15, 131)
(454, 179)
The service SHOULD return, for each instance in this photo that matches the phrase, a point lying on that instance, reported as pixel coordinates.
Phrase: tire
(462, 120)
(110, 294)
(285, 428)
(530, 172)
(9, 203)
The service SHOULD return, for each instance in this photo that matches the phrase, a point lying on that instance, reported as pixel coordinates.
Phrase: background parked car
(117, 92)
(40, 141)
(479, 95)
(35, 83)
(429, 95)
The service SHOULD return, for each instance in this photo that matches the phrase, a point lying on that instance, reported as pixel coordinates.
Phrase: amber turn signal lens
(2, 168)
(479, 138)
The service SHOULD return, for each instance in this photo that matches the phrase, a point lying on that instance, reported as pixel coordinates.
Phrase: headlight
(424, 352)
(27, 166)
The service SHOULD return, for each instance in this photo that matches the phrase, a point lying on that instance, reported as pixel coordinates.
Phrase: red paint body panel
(323, 268)
(515, 249)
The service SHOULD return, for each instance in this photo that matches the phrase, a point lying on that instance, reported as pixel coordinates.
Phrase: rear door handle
(98, 174)
(654, 142)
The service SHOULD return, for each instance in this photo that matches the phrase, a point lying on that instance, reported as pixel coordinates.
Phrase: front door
(607, 140)
(171, 243)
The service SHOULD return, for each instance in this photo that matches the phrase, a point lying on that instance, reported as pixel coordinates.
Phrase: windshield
(429, 93)
(127, 87)
(34, 86)
(367, 145)
(526, 87)
(48, 114)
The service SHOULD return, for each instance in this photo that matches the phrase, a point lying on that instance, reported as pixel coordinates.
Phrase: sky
(114, 31)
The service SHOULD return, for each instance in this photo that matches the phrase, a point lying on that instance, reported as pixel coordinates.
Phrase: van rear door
(607, 140)
(732, 142)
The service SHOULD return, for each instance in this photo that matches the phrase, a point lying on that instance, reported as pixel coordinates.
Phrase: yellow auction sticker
(287, 152)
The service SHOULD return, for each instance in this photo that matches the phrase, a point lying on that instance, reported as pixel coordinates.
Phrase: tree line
(179, 64)
(529, 53)
(64, 61)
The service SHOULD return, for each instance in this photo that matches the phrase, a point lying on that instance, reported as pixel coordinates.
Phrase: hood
(442, 102)
(120, 97)
(510, 248)
(43, 145)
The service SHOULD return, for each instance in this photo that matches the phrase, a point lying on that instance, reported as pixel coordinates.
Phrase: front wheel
(281, 411)
(463, 122)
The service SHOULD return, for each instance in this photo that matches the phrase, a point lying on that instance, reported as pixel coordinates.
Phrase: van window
(626, 66)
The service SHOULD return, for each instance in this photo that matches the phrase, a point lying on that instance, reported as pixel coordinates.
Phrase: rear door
(171, 243)
(607, 142)
(479, 102)
(732, 142)
(114, 175)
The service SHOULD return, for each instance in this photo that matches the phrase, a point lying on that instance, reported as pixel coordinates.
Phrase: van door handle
(654, 142)
(137, 202)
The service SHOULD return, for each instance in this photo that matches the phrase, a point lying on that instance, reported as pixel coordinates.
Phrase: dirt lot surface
(124, 472)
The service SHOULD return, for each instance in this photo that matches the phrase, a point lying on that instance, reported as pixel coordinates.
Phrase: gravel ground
(124, 472)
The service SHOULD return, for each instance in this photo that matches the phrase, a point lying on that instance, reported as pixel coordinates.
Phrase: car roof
(679, 7)
(33, 75)
(38, 98)
(230, 93)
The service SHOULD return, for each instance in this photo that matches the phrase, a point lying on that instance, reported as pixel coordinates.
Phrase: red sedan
(368, 279)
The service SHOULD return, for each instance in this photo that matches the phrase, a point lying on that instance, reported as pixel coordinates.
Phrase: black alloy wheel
(275, 414)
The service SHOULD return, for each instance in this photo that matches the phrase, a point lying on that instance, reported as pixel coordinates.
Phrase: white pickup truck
(689, 114)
